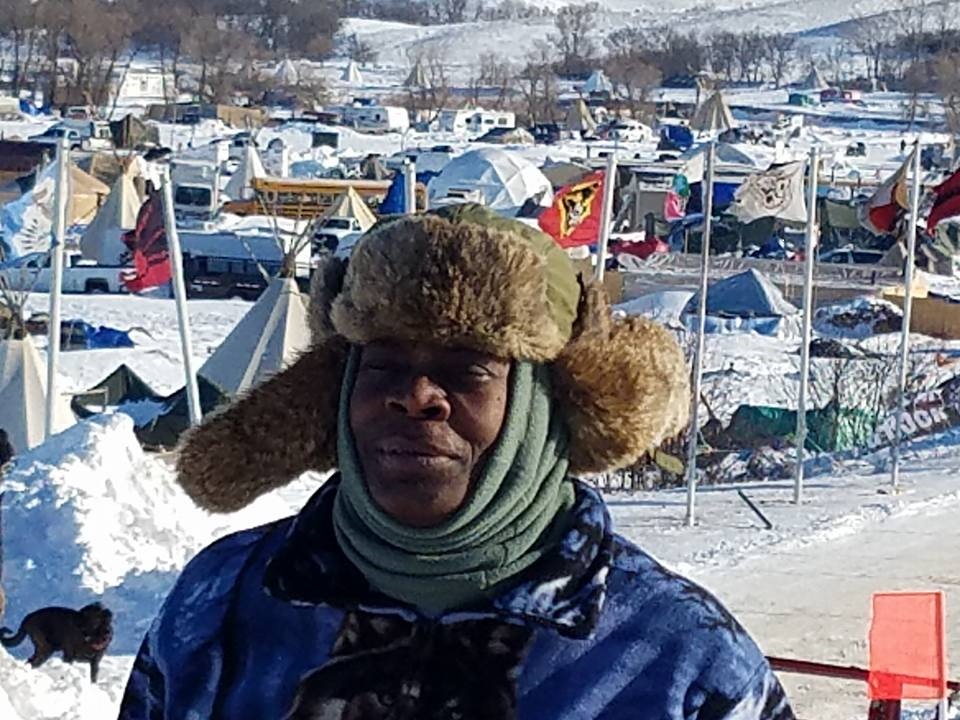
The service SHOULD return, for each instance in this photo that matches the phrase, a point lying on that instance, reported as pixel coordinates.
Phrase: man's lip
(404, 447)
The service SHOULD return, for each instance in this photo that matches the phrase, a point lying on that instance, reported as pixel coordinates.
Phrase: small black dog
(79, 634)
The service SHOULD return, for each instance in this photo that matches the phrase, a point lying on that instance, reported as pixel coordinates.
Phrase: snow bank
(88, 516)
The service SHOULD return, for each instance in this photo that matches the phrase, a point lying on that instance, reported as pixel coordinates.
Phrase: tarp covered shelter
(579, 118)
(121, 386)
(598, 83)
(351, 205)
(351, 74)
(165, 429)
(748, 301)
(713, 116)
(508, 136)
(505, 180)
(829, 429)
(23, 392)
(417, 77)
(267, 339)
(131, 132)
(240, 185)
(564, 173)
(102, 241)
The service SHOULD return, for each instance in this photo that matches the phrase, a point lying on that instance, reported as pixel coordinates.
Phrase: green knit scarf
(515, 511)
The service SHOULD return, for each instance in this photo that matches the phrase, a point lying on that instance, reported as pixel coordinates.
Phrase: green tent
(828, 429)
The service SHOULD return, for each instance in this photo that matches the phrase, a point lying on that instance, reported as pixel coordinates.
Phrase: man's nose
(420, 398)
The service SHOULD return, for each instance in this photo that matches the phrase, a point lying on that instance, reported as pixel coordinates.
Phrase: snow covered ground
(90, 515)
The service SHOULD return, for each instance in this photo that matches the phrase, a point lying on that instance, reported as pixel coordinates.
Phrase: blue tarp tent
(80, 335)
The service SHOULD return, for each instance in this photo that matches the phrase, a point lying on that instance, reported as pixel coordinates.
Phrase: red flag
(946, 201)
(148, 245)
(574, 217)
(881, 212)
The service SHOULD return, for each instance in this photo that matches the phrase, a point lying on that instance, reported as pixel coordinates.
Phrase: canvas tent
(239, 187)
(286, 73)
(131, 132)
(746, 302)
(268, 338)
(598, 83)
(504, 181)
(102, 241)
(351, 205)
(417, 77)
(23, 392)
(579, 118)
(351, 74)
(815, 80)
(714, 115)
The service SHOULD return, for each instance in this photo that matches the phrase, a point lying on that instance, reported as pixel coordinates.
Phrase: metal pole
(180, 297)
(410, 187)
(606, 213)
(811, 250)
(701, 332)
(60, 201)
(907, 313)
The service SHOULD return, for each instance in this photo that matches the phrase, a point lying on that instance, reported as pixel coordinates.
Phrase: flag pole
(180, 297)
(606, 213)
(701, 332)
(914, 216)
(60, 201)
(810, 260)
(410, 187)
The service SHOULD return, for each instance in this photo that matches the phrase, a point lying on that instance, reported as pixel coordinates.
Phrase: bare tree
(630, 65)
(725, 53)
(437, 93)
(575, 23)
(22, 31)
(360, 50)
(538, 84)
(947, 72)
(781, 51)
(494, 75)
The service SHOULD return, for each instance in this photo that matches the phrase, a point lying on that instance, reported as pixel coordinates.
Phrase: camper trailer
(380, 118)
(475, 121)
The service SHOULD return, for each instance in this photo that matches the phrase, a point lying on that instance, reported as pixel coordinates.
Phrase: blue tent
(81, 335)
(746, 302)
(679, 136)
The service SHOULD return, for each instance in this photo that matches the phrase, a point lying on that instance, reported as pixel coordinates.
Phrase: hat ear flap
(273, 434)
(623, 386)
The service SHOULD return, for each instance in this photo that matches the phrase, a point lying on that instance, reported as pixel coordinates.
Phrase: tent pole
(701, 332)
(409, 187)
(606, 213)
(180, 297)
(913, 218)
(810, 260)
(61, 200)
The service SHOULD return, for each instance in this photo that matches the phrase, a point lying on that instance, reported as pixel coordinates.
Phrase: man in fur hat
(460, 378)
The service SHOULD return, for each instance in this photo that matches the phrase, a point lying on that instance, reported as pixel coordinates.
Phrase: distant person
(460, 375)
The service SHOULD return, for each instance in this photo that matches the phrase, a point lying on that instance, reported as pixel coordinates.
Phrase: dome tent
(746, 302)
(504, 180)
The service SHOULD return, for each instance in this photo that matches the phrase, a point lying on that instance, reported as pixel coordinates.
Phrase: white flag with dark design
(778, 193)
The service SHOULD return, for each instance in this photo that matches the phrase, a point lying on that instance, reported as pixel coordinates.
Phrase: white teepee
(239, 185)
(713, 115)
(351, 205)
(23, 395)
(286, 73)
(417, 77)
(351, 74)
(579, 118)
(598, 82)
(102, 241)
(267, 339)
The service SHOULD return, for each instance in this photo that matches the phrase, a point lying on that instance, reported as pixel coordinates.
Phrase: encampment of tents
(746, 302)
(23, 392)
(267, 339)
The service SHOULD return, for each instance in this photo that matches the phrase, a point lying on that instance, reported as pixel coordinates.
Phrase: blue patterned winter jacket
(274, 622)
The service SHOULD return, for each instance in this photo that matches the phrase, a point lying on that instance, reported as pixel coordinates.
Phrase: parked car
(53, 134)
(217, 278)
(33, 272)
(336, 233)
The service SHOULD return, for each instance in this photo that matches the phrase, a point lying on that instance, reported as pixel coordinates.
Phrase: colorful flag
(882, 212)
(675, 203)
(778, 193)
(27, 222)
(946, 201)
(148, 246)
(574, 217)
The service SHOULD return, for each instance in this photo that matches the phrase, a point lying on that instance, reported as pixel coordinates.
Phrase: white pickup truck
(32, 272)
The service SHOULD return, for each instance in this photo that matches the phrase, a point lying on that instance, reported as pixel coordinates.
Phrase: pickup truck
(32, 272)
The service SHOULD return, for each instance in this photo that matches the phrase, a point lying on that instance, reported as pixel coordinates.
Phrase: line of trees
(222, 36)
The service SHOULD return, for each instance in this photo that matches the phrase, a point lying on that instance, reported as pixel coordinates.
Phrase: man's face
(423, 418)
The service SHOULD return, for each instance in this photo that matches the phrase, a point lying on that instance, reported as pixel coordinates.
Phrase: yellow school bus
(304, 199)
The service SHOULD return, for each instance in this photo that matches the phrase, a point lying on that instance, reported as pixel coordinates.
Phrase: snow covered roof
(267, 339)
(23, 392)
(746, 294)
(505, 180)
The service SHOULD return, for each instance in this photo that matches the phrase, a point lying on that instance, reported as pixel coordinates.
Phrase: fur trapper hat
(460, 277)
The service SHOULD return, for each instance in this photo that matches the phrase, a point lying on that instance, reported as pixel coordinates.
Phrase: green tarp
(828, 429)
